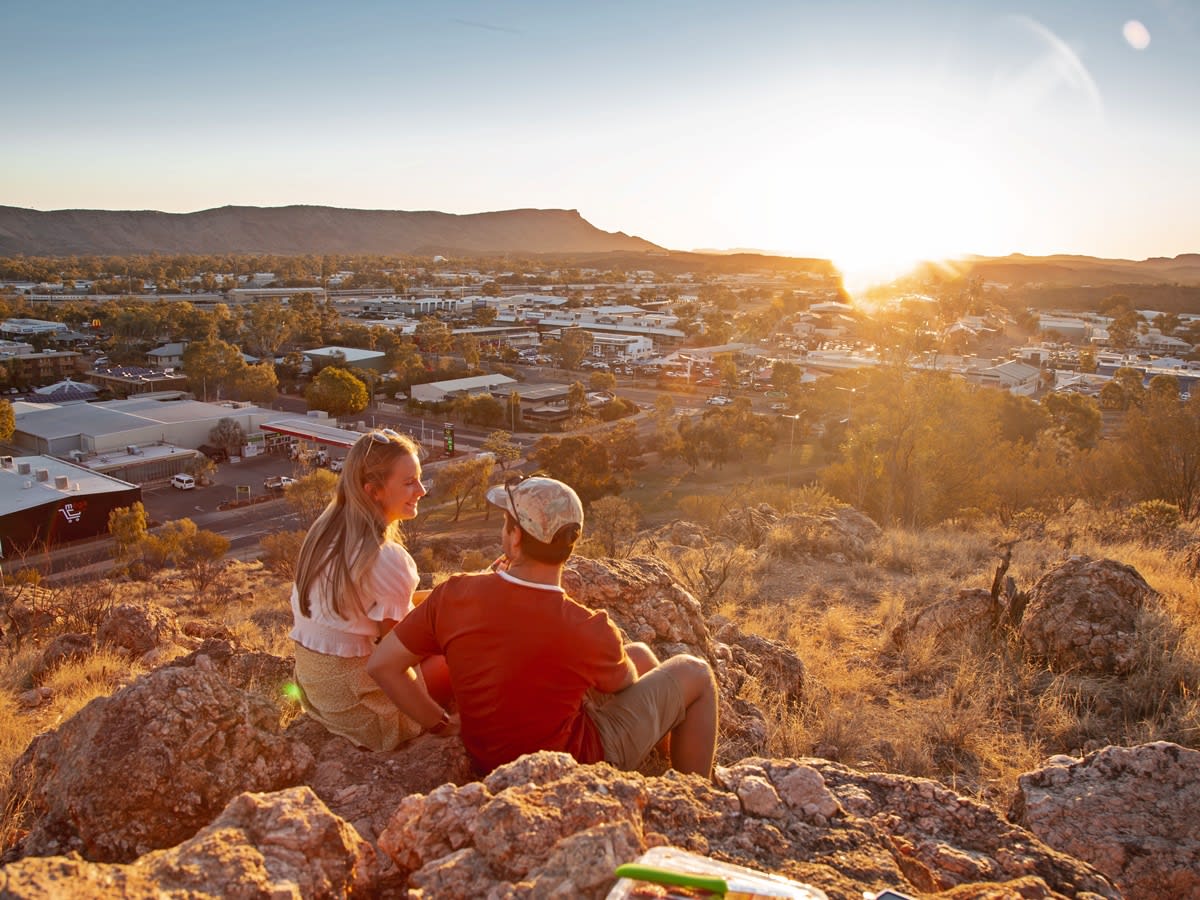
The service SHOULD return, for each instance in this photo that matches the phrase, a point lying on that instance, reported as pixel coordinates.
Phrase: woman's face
(399, 494)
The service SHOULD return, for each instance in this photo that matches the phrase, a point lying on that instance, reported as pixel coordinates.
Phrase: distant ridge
(297, 230)
(1067, 270)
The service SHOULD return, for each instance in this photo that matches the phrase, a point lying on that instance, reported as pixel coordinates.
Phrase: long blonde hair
(344, 542)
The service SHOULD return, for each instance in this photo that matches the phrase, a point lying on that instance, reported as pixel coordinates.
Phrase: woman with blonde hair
(354, 581)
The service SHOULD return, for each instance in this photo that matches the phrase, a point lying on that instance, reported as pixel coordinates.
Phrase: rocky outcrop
(551, 827)
(64, 648)
(150, 765)
(1129, 811)
(285, 844)
(1082, 616)
(643, 598)
(364, 787)
(840, 536)
(136, 629)
(254, 670)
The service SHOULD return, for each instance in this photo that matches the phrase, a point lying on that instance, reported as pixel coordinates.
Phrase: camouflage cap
(540, 505)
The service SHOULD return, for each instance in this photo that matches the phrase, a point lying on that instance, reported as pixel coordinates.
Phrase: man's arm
(392, 665)
(621, 678)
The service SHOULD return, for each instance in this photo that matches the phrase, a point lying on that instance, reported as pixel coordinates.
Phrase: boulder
(254, 670)
(152, 764)
(285, 844)
(546, 826)
(841, 535)
(64, 648)
(643, 598)
(1129, 811)
(136, 629)
(681, 534)
(364, 788)
(1082, 616)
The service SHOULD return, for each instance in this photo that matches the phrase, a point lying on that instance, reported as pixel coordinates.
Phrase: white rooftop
(19, 490)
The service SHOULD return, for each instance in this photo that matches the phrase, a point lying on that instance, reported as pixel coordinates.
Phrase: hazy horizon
(867, 133)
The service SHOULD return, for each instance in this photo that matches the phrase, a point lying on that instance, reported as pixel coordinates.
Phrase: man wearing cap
(533, 669)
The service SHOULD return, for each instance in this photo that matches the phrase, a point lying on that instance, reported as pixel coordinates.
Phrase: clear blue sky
(866, 131)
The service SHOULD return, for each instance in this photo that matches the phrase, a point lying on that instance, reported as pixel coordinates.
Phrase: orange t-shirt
(521, 660)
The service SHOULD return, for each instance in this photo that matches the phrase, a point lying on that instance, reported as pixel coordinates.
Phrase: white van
(183, 482)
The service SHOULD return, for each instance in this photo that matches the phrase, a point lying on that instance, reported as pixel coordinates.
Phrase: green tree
(258, 384)
(513, 416)
(1161, 447)
(1163, 388)
(8, 420)
(127, 527)
(267, 327)
(1123, 329)
(727, 370)
(481, 409)
(501, 445)
(1087, 360)
(228, 435)
(612, 523)
(1077, 417)
(602, 381)
(463, 479)
(786, 377)
(310, 494)
(468, 346)
(575, 344)
(337, 392)
(582, 462)
(433, 336)
(406, 362)
(202, 557)
(212, 368)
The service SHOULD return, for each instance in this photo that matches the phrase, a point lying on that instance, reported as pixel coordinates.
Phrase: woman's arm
(392, 665)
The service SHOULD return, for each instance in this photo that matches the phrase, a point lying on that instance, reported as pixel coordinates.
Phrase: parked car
(718, 400)
(778, 407)
(335, 465)
(278, 482)
(183, 482)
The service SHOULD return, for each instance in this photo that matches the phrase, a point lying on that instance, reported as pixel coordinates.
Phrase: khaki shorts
(632, 721)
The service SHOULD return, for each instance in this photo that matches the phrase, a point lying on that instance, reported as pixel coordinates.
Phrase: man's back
(522, 656)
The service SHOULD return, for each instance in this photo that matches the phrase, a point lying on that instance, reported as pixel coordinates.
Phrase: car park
(278, 482)
(183, 482)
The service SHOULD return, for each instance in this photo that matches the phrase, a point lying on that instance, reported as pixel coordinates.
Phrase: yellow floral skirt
(338, 693)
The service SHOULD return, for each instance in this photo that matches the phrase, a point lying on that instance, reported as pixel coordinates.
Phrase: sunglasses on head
(384, 435)
(509, 483)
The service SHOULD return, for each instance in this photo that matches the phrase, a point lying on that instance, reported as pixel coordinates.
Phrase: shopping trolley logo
(71, 514)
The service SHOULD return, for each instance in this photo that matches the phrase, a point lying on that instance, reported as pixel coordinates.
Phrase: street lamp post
(791, 446)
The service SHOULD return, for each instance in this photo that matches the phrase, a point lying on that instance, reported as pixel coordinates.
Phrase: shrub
(1153, 521)
(280, 552)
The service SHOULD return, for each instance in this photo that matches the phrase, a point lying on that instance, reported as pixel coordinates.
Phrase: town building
(132, 381)
(46, 501)
(373, 360)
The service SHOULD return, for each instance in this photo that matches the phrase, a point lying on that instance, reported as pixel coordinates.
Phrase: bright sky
(869, 132)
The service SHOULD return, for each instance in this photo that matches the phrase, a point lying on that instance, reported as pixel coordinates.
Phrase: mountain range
(293, 230)
(559, 233)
